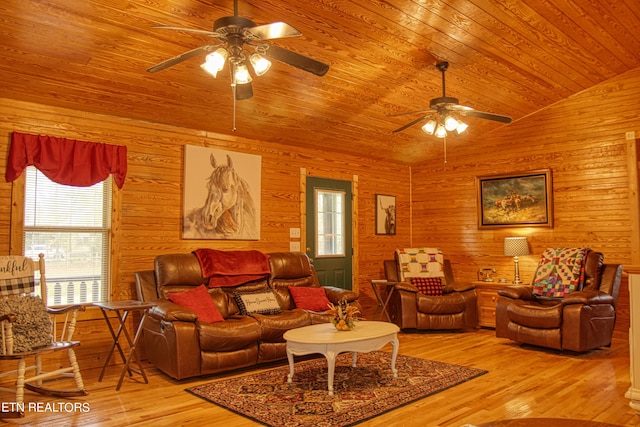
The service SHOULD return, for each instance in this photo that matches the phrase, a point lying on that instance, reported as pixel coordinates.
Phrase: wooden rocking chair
(30, 330)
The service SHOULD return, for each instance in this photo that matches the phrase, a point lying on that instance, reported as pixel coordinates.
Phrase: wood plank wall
(148, 222)
(580, 139)
(583, 141)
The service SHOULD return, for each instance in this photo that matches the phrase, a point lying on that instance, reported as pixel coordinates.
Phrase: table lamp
(515, 247)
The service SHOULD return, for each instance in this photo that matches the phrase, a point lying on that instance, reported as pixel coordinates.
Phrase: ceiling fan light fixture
(214, 62)
(450, 123)
(241, 74)
(429, 127)
(259, 63)
(441, 131)
(461, 127)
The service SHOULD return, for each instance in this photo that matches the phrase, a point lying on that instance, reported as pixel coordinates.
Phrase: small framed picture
(385, 214)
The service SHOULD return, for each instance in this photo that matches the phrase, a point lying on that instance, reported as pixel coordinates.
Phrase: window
(71, 227)
(330, 223)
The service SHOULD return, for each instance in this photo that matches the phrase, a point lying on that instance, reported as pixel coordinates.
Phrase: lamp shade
(516, 246)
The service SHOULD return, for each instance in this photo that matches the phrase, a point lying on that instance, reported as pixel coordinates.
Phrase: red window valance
(66, 161)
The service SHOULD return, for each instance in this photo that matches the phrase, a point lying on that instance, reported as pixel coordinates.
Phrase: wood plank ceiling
(508, 57)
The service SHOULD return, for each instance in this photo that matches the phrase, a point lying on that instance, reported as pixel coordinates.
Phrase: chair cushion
(428, 285)
(533, 315)
(308, 298)
(420, 262)
(560, 272)
(452, 303)
(200, 302)
(32, 328)
(263, 302)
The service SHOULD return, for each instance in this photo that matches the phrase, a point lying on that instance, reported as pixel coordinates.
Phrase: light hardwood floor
(523, 382)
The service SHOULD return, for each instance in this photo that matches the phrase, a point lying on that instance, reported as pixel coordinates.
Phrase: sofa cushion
(199, 301)
(236, 333)
(273, 326)
(263, 302)
(428, 285)
(308, 298)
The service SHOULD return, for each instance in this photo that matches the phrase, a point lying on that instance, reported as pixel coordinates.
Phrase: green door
(329, 237)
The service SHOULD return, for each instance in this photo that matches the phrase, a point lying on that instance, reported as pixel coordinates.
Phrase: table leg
(116, 337)
(394, 354)
(290, 358)
(354, 359)
(331, 367)
(132, 353)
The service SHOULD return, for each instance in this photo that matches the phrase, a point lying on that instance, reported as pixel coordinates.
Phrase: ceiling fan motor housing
(232, 24)
(441, 102)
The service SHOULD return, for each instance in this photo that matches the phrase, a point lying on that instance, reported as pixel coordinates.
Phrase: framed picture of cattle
(385, 214)
(221, 198)
(515, 200)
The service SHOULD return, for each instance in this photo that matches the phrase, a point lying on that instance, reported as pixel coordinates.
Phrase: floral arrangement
(344, 315)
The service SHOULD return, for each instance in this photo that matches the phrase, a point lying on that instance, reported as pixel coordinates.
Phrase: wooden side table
(383, 297)
(487, 298)
(122, 310)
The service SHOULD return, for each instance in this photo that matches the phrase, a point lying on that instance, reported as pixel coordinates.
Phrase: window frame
(16, 242)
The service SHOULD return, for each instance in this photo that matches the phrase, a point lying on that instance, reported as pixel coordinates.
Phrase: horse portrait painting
(220, 199)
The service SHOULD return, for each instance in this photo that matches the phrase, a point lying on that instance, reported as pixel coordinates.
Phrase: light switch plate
(294, 233)
(294, 246)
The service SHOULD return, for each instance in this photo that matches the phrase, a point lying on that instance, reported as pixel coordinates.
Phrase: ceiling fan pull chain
(445, 150)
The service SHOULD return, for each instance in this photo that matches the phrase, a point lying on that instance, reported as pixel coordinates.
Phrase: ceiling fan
(234, 34)
(443, 111)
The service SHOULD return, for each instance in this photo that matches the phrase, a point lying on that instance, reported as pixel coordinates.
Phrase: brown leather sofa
(182, 347)
(457, 308)
(581, 321)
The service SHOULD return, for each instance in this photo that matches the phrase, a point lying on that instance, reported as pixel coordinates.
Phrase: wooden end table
(122, 310)
(487, 298)
(325, 339)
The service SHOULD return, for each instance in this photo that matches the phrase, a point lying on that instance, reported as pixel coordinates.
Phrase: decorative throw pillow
(263, 302)
(32, 328)
(308, 298)
(431, 286)
(199, 301)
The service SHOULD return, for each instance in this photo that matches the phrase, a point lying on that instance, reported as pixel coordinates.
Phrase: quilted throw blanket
(420, 262)
(560, 272)
(231, 268)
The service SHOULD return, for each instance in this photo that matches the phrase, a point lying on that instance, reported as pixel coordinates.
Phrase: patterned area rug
(360, 393)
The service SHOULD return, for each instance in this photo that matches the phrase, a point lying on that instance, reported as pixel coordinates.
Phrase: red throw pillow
(199, 301)
(312, 299)
(431, 286)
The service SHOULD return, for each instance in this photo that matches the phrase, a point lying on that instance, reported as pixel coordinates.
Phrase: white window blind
(71, 227)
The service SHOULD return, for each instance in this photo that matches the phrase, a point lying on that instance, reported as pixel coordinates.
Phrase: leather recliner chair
(457, 308)
(581, 321)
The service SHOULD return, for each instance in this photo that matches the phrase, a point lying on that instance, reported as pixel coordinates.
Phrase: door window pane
(330, 223)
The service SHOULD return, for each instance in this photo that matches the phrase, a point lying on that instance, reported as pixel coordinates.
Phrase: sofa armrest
(405, 286)
(588, 297)
(171, 312)
(335, 294)
(517, 292)
(458, 287)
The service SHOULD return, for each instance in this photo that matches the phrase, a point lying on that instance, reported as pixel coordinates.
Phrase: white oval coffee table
(325, 339)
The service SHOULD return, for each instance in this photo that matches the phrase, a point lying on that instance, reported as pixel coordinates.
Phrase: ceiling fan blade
(484, 115)
(188, 30)
(411, 123)
(411, 112)
(277, 30)
(244, 91)
(296, 60)
(182, 57)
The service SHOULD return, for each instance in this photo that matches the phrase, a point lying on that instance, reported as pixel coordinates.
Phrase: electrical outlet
(294, 233)
(630, 135)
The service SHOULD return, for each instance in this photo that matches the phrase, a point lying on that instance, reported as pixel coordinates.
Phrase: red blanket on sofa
(231, 268)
